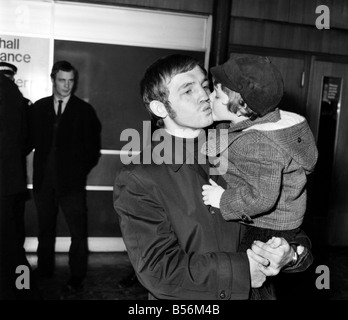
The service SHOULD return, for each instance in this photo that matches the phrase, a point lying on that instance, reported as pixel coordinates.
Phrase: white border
(103, 152)
(95, 244)
(119, 152)
(88, 188)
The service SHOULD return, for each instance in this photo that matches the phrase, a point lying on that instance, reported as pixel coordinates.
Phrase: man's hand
(256, 275)
(212, 194)
(277, 251)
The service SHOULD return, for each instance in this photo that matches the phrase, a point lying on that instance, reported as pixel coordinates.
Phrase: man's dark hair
(67, 67)
(153, 86)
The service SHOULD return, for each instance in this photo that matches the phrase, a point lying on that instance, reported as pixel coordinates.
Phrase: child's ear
(242, 109)
(158, 108)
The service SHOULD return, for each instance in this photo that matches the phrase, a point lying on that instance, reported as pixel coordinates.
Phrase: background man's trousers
(74, 208)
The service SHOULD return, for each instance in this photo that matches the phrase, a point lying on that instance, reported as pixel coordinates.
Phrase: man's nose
(205, 98)
(204, 93)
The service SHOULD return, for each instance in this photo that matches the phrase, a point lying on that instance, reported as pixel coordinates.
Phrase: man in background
(65, 133)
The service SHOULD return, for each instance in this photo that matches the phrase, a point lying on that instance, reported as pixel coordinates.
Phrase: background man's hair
(67, 67)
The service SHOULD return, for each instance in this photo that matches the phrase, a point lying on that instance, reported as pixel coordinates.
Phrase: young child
(269, 153)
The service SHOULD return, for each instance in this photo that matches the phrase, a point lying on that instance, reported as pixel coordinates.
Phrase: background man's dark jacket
(77, 142)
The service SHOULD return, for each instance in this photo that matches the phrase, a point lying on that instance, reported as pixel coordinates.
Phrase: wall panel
(285, 36)
(292, 11)
(261, 9)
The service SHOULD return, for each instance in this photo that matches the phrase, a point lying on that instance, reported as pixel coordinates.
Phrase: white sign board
(31, 56)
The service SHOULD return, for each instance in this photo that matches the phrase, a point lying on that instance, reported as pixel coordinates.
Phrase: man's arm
(30, 130)
(160, 262)
(92, 137)
(302, 245)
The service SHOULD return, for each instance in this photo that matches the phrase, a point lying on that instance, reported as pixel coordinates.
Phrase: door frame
(334, 222)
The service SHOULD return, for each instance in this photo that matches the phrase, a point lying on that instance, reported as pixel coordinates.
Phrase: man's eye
(206, 86)
(189, 91)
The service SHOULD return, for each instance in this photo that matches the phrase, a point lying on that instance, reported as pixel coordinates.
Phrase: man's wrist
(294, 256)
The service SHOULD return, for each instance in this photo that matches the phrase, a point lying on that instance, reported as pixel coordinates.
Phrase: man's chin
(215, 118)
(210, 122)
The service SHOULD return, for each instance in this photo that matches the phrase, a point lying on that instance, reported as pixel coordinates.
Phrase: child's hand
(274, 242)
(212, 194)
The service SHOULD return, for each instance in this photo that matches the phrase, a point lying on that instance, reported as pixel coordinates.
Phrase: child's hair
(242, 107)
(257, 80)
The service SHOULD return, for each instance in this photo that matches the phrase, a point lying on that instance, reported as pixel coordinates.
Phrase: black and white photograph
(173, 155)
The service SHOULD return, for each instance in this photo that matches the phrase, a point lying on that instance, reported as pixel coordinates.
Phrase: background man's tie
(59, 113)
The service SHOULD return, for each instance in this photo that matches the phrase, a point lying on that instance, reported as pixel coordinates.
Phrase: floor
(107, 269)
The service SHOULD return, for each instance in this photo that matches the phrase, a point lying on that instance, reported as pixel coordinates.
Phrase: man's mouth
(207, 108)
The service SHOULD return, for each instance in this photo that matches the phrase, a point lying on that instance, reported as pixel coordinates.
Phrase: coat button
(299, 139)
(212, 210)
(222, 294)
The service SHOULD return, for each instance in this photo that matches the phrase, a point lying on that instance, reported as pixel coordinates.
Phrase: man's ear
(158, 109)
